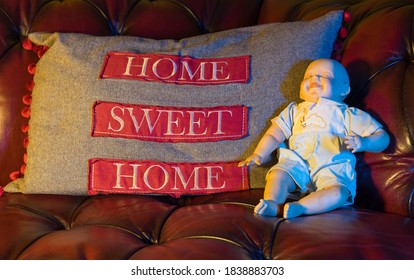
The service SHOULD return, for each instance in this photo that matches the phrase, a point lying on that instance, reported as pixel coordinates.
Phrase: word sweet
(175, 179)
(169, 124)
(176, 69)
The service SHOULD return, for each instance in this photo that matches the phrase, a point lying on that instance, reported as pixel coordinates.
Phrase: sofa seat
(220, 226)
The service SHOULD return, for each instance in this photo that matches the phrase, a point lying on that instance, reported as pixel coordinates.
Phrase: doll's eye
(327, 75)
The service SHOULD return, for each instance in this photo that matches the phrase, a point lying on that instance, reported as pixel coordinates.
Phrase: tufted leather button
(159, 15)
(71, 16)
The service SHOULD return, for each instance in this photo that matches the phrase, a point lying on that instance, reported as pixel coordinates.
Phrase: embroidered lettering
(176, 179)
(119, 175)
(176, 69)
(169, 124)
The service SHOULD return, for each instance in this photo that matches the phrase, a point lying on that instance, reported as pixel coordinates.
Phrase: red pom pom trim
(27, 44)
(26, 142)
(337, 57)
(27, 99)
(26, 112)
(25, 128)
(347, 17)
(343, 33)
(30, 85)
(15, 175)
(37, 48)
(41, 53)
(31, 68)
(338, 45)
(23, 168)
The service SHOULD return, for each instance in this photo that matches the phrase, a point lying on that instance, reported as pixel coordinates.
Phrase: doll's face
(324, 78)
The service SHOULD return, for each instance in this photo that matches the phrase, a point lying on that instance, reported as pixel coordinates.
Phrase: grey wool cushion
(81, 77)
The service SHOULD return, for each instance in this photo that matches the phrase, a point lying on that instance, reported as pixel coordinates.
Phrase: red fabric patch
(169, 124)
(151, 177)
(176, 69)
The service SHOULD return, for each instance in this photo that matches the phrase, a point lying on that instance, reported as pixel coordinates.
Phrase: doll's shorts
(340, 171)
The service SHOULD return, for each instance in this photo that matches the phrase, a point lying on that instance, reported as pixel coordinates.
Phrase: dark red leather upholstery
(378, 53)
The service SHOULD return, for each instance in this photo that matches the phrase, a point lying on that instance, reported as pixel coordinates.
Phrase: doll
(322, 134)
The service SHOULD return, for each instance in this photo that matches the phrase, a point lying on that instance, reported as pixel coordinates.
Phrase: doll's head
(325, 78)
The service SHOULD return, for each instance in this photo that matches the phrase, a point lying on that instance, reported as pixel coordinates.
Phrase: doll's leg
(278, 184)
(317, 202)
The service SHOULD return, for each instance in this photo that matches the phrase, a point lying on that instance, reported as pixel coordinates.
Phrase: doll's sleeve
(285, 119)
(361, 123)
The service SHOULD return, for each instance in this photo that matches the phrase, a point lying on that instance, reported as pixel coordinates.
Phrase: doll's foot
(293, 210)
(267, 208)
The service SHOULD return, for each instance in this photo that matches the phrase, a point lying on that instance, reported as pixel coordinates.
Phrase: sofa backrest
(377, 52)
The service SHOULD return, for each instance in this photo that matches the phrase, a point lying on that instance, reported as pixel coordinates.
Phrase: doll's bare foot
(293, 210)
(267, 208)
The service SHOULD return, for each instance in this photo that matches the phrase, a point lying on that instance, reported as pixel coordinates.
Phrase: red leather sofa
(378, 52)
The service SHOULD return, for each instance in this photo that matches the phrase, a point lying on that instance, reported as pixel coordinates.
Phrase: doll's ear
(345, 93)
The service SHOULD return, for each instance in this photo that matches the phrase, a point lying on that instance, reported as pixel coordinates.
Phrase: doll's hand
(252, 159)
(354, 143)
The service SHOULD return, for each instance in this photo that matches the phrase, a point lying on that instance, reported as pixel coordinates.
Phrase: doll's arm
(273, 137)
(374, 143)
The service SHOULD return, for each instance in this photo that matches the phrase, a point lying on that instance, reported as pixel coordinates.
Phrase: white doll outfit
(316, 156)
